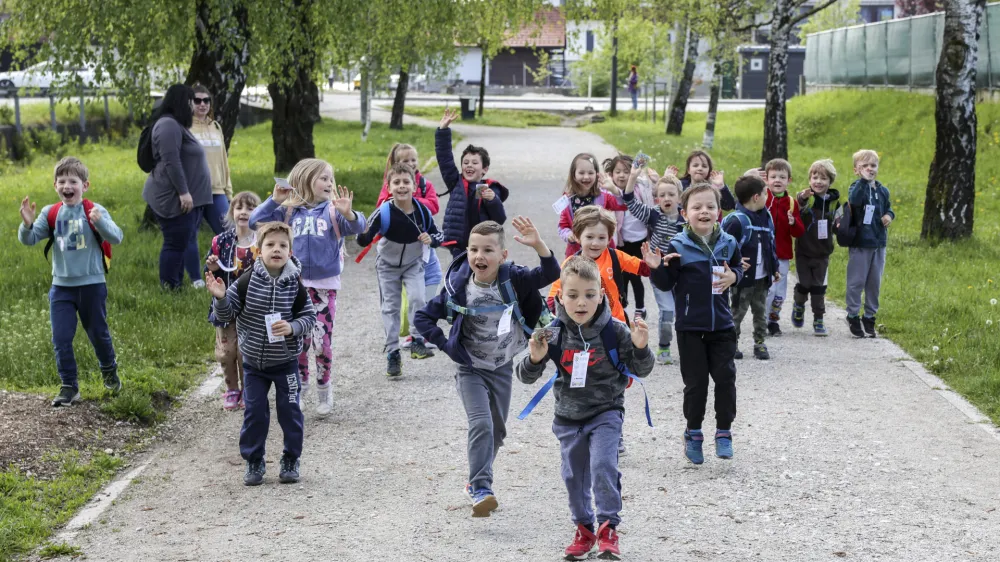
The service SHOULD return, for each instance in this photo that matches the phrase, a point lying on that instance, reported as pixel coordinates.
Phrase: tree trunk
(296, 111)
(482, 82)
(221, 55)
(366, 97)
(775, 125)
(713, 106)
(951, 183)
(675, 122)
(396, 121)
(614, 68)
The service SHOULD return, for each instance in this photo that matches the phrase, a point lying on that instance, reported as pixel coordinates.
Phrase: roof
(551, 33)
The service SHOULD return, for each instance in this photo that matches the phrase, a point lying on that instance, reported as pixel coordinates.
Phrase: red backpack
(87, 207)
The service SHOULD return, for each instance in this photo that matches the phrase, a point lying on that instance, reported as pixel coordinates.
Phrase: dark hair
(748, 186)
(480, 151)
(697, 154)
(400, 169)
(611, 163)
(199, 89)
(177, 104)
(574, 188)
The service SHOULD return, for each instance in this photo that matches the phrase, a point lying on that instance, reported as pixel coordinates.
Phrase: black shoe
(773, 329)
(869, 326)
(739, 355)
(760, 352)
(855, 324)
(67, 395)
(419, 351)
(111, 380)
(394, 366)
(289, 470)
(255, 473)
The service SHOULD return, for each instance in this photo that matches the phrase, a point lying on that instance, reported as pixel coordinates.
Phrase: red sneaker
(583, 544)
(607, 543)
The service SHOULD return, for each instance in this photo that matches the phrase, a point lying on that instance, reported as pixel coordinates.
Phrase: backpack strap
(300, 299)
(51, 219)
(242, 285)
(385, 212)
(507, 295)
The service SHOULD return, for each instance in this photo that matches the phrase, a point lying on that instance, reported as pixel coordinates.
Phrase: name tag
(560, 205)
(822, 229)
(269, 320)
(503, 328)
(717, 271)
(426, 252)
(869, 213)
(580, 362)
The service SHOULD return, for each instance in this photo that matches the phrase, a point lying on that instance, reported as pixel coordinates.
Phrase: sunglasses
(200, 101)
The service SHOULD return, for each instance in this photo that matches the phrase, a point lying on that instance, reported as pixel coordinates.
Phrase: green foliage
(842, 13)
(937, 299)
(641, 42)
(53, 550)
(515, 118)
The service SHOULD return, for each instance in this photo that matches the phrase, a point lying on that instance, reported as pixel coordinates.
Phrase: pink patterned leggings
(318, 340)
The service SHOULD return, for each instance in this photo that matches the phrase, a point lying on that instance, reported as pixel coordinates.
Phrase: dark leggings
(638, 290)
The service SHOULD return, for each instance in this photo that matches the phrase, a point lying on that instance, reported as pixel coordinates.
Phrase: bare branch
(810, 13)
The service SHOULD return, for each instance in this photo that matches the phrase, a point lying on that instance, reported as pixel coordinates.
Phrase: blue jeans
(635, 99)
(87, 301)
(257, 417)
(215, 216)
(665, 303)
(180, 238)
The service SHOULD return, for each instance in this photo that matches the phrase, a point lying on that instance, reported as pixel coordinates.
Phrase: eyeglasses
(200, 101)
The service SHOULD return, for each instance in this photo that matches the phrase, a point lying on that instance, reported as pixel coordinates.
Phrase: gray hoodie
(605, 388)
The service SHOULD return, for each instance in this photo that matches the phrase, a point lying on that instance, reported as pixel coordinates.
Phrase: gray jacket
(605, 387)
(181, 168)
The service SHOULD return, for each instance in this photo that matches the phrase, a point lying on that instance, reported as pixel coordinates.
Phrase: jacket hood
(592, 329)
(290, 272)
(832, 195)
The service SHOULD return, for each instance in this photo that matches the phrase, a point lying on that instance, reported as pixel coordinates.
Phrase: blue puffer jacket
(463, 213)
(861, 194)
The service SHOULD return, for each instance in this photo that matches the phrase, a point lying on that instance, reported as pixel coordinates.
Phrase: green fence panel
(809, 68)
(993, 13)
(898, 52)
(824, 58)
(923, 50)
(856, 70)
(876, 57)
(838, 60)
(983, 62)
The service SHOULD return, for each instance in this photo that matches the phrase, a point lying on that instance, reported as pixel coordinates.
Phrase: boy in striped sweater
(664, 221)
(272, 312)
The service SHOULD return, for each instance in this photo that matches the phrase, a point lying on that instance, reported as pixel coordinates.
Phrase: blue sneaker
(723, 444)
(483, 502)
(693, 440)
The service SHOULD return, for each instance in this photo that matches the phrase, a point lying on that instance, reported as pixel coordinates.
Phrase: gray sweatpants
(590, 467)
(390, 285)
(486, 397)
(864, 273)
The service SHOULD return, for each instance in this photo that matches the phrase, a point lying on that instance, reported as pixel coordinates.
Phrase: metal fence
(901, 53)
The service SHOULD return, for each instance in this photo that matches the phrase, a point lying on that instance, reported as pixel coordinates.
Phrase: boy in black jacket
(813, 249)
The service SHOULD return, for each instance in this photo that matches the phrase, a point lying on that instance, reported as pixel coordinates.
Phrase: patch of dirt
(30, 429)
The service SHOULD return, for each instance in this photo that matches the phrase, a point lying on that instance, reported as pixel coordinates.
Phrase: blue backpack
(506, 293)
(747, 227)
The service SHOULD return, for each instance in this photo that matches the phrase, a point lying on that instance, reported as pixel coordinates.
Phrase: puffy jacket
(862, 193)
(809, 244)
(784, 232)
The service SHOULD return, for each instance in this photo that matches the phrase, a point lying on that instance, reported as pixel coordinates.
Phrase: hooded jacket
(401, 245)
(862, 193)
(784, 232)
(734, 227)
(605, 386)
(809, 244)
(267, 295)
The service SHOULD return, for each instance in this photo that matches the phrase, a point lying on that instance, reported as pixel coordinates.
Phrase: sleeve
(565, 225)
(366, 236)
(527, 372)
(430, 198)
(543, 275)
(348, 227)
(446, 158)
(437, 238)
(639, 361)
(550, 301)
(213, 250)
(728, 201)
(167, 139)
(664, 277)
(736, 264)
(493, 210)
(269, 211)
(107, 228)
(228, 307)
(888, 203)
(302, 323)
(426, 319)
(640, 211)
(632, 264)
(797, 229)
(614, 203)
(39, 230)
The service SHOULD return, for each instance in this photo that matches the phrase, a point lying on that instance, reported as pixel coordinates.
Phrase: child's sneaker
(483, 502)
(231, 400)
(419, 351)
(66, 397)
(819, 329)
(760, 351)
(241, 403)
(869, 326)
(693, 440)
(724, 443)
(738, 355)
(255, 473)
(111, 380)
(583, 543)
(855, 323)
(407, 342)
(663, 356)
(324, 399)
(394, 367)
(289, 470)
(798, 315)
(607, 542)
(773, 329)
(640, 314)
(198, 284)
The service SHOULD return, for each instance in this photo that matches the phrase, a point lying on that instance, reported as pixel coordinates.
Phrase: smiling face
(401, 188)
(407, 157)
(698, 169)
(819, 182)
(594, 240)
(777, 181)
(585, 174)
(322, 186)
(620, 174)
(275, 249)
(71, 188)
(866, 169)
(702, 212)
(667, 198)
(486, 253)
(580, 297)
(472, 167)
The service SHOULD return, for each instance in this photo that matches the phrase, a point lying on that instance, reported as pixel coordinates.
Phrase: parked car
(44, 76)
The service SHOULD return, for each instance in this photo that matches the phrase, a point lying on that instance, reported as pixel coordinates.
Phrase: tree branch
(753, 25)
(810, 13)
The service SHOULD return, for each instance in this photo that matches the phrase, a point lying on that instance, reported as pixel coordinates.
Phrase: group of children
(275, 274)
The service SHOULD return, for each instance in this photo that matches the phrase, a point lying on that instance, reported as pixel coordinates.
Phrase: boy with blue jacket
(871, 213)
(80, 232)
(704, 261)
(493, 308)
(473, 199)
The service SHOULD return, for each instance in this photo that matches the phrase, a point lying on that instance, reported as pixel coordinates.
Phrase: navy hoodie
(734, 227)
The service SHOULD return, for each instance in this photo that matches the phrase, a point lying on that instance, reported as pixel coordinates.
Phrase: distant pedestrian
(633, 87)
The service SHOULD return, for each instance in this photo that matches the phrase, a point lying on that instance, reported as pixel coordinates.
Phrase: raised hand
(280, 194)
(805, 194)
(725, 280)
(527, 234)
(212, 263)
(640, 334)
(572, 239)
(215, 286)
(342, 200)
(652, 175)
(538, 347)
(95, 215)
(668, 257)
(753, 172)
(717, 179)
(671, 171)
(448, 118)
(653, 258)
(777, 276)
(27, 212)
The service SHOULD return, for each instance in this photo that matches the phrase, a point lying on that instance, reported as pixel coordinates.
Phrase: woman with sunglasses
(209, 134)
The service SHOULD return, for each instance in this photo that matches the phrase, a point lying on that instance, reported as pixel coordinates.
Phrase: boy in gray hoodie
(80, 233)
(589, 390)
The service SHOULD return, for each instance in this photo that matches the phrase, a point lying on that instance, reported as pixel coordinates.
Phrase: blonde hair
(247, 199)
(489, 228)
(582, 267)
(700, 187)
(592, 215)
(865, 155)
(825, 166)
(394, 155)
(270, 228)
(666, 180)
(71, 166)
(302, 177)
(574, 188)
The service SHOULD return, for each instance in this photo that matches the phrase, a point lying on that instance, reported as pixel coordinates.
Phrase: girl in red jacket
(585, 187)
(787, 225)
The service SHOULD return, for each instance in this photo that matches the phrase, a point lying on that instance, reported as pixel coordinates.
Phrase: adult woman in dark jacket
(179, 187)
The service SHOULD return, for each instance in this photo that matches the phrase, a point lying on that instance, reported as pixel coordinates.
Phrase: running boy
(81, 232)
(590, 401)
(491, 306)
(273, 311)
(750, 224)
(871, 210)
(473, 199)
(787, 225)
(813, 249)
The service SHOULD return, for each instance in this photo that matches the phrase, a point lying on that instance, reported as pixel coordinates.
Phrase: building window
(756, 64)
(885, 13)
(590, 41)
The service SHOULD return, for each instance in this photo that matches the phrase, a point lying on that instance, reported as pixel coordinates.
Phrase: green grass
(67, 112)
(515, 118)
(163, 341)
(933, 295)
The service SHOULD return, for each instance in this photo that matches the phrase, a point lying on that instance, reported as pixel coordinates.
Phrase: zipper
(687, 304)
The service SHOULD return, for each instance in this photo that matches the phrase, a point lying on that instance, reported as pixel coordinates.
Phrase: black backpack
(843, 225)
(144, 152)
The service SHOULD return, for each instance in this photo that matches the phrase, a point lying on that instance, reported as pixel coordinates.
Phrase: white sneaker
(199, 284)
(324, 400)
(406, 343)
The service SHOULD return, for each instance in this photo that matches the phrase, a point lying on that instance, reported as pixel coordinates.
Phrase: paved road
(841, 452)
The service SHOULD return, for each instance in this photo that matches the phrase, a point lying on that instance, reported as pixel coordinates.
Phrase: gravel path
(841, 452)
